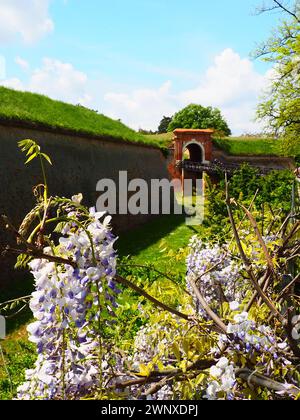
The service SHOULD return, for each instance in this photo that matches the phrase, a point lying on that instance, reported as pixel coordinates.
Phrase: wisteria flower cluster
(215, 272)
(154, 350)
(68, 304)
(254, 337)
(223, 380)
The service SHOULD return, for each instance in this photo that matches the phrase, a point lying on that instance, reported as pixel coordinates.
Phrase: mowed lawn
(155, 241)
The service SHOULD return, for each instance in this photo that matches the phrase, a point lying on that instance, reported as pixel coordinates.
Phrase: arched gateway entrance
(191, 147)
(193, 151)
(197, 142)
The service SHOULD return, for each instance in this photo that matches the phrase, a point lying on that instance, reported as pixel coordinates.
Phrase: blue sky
(138, 59)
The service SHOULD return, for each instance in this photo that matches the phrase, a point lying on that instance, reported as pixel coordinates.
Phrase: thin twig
(16, 313)
(156, 376)
(292, 233)
(37, 254)
(264, 382)
(246, 261)
(22, 299)
(259, 236)
(156, 271)
(295, 280)
(156, 302)
(281, 6)
(217, 320)
(255, 294)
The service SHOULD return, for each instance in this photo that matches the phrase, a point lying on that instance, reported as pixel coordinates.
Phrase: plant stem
(207, 308)
(45, 179)
(156, 302)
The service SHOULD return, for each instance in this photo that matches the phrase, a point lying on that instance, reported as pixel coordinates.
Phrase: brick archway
(196, 151)
(184, 138)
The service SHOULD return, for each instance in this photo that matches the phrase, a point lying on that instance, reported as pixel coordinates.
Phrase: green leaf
(47, 158)
(26, 144)
(186, 345)
(31, 158)
(144, 370)
(31, 150)
(176, 351)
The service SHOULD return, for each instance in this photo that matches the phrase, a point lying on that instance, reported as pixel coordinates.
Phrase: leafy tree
(280, 109)
(199, 117)
(164, 125)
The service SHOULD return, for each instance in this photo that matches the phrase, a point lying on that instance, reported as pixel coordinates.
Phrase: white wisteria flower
(65, 304)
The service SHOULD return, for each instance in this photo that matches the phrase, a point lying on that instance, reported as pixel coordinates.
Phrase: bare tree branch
(279, 6)
(291, 13)
(264, 382)
(246, 261)
(156, 302)
(207, 309)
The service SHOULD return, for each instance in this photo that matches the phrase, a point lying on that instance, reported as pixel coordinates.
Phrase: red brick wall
(183, 137)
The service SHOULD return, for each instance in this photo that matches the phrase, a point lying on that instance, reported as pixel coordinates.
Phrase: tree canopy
(199, 117)
(164, 125)
(280, 109)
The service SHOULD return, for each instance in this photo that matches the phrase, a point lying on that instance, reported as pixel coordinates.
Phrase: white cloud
(230, 79)
(59, 80)
(143, 107)
(56, 79)
(13, 83)
(231, 84)
(23, 64)
(28, 19)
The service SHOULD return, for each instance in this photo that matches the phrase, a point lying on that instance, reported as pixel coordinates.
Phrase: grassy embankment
(41, 110)
(237, 146)
(251, 146)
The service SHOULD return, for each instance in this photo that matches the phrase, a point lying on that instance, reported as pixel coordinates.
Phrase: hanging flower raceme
(70, 304)
(222, 382)
(249, 337)
(215, 272)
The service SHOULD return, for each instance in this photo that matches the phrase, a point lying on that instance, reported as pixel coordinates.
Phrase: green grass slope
(250, 146)
(236, 146)
(163, 140)
(41, 110)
